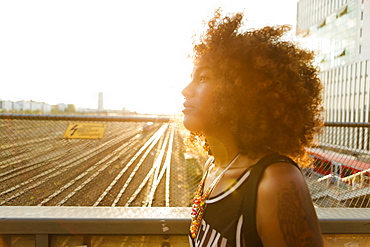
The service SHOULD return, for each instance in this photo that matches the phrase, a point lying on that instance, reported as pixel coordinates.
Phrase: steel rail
(65, 165)
(4, 147)
(20, 158)
(128, 181)
(154, 169)
(36, 161)
(122, 172)
(33, 163)
(113, 156)
(168, 169)
(96, 151)
(159, 176)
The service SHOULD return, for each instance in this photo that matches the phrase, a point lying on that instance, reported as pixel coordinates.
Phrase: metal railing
(124, 118)
(46, 223)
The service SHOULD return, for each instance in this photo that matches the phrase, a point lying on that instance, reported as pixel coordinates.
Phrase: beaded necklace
(199, 201)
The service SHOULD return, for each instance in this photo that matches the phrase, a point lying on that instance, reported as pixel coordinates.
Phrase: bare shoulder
(279, 175)
(281, 179)
(285, 213)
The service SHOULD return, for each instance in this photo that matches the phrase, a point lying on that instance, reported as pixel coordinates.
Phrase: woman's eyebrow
(204, 67)
(200, 69)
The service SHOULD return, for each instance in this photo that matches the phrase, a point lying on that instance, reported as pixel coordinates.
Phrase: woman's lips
(187, 107)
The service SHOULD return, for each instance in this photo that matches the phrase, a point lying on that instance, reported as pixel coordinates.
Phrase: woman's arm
(285, 213)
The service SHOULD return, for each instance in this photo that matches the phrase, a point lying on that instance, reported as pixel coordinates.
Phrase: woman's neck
(224, 150)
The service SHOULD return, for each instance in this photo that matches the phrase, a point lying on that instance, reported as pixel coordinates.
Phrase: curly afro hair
(268, 90)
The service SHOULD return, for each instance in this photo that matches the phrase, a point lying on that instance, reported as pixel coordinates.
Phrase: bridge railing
(138, 226)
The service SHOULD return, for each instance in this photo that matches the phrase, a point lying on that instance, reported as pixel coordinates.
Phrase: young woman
(256, 101)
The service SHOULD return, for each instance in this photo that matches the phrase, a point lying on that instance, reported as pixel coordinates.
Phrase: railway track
(129, 168)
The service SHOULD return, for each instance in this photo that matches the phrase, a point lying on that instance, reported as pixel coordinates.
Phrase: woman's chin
(191, 124)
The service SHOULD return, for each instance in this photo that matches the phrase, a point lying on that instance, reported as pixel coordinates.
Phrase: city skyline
(45, 107)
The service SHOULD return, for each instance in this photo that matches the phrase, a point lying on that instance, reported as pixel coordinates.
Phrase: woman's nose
(187, 91)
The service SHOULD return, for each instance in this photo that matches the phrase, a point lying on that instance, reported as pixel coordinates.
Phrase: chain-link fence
(94, 161)
(339, 174)
(141, 161)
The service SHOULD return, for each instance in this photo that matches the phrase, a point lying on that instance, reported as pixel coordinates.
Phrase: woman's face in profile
(198, 98)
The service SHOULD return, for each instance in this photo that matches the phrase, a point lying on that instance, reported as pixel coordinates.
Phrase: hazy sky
(134, 52)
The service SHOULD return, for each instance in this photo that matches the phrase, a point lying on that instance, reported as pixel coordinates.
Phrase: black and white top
(222, 223)
(222, 219)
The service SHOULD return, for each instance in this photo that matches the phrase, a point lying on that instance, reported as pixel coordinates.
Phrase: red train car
(339, 165)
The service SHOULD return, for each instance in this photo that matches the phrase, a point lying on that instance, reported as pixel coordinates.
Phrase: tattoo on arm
(295, 222)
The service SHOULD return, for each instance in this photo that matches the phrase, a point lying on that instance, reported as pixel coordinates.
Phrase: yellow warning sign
(85, 131)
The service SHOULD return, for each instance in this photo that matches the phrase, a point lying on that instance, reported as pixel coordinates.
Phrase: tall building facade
(338, 31)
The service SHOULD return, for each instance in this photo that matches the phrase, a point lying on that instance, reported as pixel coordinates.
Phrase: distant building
(6, 105)
(62, 107)
(33, 107)
(46, 108)
(100, 102)
(23, 106)
(339, 32)
(86, 110)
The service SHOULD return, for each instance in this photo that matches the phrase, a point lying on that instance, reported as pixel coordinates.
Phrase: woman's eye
(202, 79)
